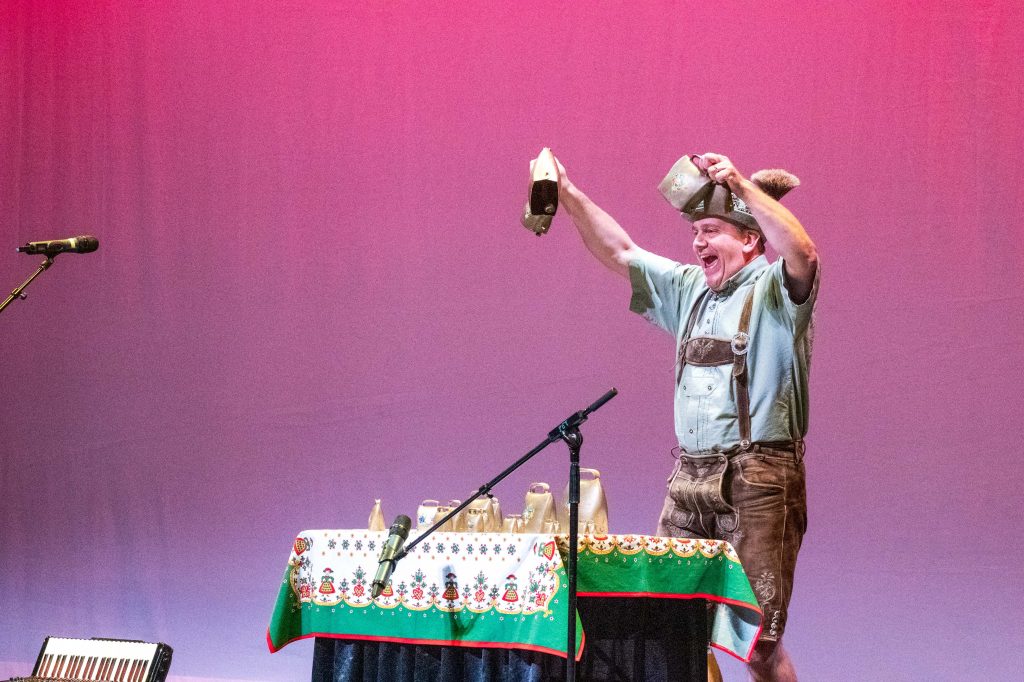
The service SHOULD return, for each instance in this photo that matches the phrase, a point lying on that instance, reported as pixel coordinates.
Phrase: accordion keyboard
(101, 660)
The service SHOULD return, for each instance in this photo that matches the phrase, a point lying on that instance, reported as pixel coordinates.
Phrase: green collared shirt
(778, 360)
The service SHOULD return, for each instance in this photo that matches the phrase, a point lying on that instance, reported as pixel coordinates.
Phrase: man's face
(722, 249)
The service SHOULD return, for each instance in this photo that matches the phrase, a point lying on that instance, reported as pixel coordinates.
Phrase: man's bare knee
(765, 652)
(770, 662)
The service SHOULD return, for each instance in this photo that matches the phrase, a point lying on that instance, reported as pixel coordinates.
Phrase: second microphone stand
(19, 293)
(568, 431)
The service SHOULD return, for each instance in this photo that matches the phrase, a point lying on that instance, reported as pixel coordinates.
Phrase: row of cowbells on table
(541, 514)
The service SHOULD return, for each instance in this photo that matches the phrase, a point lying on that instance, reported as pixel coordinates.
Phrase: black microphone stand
(19, 292)
(568, 431)
(574, 439)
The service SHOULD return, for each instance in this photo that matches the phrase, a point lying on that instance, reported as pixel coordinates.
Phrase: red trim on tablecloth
(433, 642)
(711, 597)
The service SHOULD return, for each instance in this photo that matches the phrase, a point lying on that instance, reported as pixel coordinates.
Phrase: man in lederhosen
(743, 331)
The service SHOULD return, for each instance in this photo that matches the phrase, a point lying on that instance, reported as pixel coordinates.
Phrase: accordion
(100, 660)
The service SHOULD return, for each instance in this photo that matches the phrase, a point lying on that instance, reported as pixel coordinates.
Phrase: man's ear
(751, 242)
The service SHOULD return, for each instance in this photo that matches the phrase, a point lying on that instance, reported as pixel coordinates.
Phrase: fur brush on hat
(775, 182)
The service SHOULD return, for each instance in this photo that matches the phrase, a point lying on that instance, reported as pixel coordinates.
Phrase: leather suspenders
(740, 345)
(709, 351)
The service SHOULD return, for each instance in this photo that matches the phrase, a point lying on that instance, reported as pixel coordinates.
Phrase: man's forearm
(601, 234)
(782, 230)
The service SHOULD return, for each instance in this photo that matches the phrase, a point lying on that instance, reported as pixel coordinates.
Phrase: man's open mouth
(708, 260)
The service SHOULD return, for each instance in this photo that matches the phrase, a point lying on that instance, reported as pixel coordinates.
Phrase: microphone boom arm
(570, 424)
(19, 292)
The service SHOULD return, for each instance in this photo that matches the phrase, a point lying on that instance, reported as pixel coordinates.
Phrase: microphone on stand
(389, 553)
(82, 244)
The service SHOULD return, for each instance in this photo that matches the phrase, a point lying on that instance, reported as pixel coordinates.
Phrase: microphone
(389, 553)
(82, 244)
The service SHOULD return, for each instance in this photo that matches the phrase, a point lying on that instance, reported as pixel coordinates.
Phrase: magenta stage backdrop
(312, 290)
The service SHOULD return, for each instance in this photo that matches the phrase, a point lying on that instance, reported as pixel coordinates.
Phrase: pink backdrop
(312, 290)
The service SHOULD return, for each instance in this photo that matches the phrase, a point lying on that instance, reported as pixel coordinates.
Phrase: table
(655, 640)
(500, 591)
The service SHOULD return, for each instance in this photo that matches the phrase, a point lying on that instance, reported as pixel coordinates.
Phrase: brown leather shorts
(757, 501)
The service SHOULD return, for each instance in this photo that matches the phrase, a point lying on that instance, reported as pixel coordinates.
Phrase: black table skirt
(626, 639)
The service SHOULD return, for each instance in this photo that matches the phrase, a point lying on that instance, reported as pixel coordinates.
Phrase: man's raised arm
(781, 228)
(601, 234)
